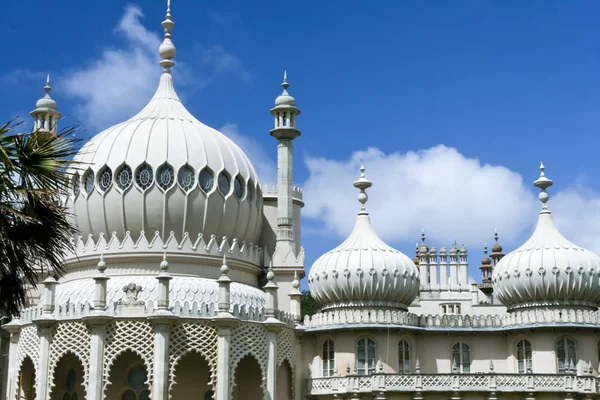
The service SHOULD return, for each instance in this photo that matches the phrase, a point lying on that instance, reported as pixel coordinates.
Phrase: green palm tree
(35, 230)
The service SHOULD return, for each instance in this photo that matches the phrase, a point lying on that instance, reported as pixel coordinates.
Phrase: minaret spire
(285, 113)
(362, 184)
(167, 48)
(45, 114)
(543, 183)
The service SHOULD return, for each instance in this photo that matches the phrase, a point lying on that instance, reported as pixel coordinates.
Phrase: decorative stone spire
(49, 299)
(45, 115)
(164, 279)
(363, 184)
(167, 48)
(100, 280)
(285, 113)
(543, 183)
(271, 291)
(497, 254)
(296, 299)
(224, 288)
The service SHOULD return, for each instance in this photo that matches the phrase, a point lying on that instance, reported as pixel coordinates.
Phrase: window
(137, 388)
(239, 187)
(76, 184)
(524, 356)
(461, 358)
(88, 181)
(224, 183)
(105, 179)
(365, 356)
(144, 177)
(165, 176)
(70, 381)
(328, 358)
(250, 190)
(565, 356)
(185, 178)
(206, 180)
(124, 177)
(403, 357)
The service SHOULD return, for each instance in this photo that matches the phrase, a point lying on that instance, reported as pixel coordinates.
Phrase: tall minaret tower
(45, 115)
(285, 113)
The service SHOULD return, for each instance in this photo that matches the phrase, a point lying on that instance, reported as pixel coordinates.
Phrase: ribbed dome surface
(364, 270)
(548, 270)
(164, 171)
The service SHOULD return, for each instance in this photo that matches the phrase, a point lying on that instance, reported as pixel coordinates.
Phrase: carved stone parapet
(273, 325)
(97, 318)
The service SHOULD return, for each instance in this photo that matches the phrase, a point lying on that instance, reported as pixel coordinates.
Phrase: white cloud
(449, 195)
(122, 79)
(262, 161)
(576, 211)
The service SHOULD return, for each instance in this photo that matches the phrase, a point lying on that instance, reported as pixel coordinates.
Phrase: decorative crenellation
(186, 309)
(187, 245)
(343, 317)
(270, 190)
(491, 382)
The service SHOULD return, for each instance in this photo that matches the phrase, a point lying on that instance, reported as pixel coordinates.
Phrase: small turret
(45, 115)
(486, 273)
(496, 250)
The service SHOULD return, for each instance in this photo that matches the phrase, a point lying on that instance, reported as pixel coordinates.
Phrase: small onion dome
(285, 99)
(463, 250)
(497, 248)
(443, 250)
(486, 262)
(46, 101)
(548, 270)
(364, 271)
(453, 249)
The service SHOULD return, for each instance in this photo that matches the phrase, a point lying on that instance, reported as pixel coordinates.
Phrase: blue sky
(451, 105)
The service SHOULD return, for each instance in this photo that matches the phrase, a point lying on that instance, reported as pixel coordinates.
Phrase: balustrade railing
(453, 383)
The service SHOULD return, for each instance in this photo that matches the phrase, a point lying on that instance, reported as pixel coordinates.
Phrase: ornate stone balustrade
(341, 317)
(528, 383)
(270, 190)
(184, 310)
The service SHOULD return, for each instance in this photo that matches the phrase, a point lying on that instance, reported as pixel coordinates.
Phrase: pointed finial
(48, 88)
(362, 184)
(224, 267)
(417, 366)
(164, 265)
(270, 274)
(167, 48)
(423, 236)
(543, 183)
(491, 365)
(296, 282)
(485, 249)
(101, 264)
(496, 235)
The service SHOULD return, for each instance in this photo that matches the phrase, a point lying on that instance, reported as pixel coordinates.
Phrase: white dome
(164, 171)
(548, 270)
(364, 270)
(181, 289)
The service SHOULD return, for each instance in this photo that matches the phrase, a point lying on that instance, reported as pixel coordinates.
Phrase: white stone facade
(186, 286)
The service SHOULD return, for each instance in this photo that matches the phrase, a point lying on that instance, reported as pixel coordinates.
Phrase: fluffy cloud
(438, 189)
(119, 82)
(262, 161)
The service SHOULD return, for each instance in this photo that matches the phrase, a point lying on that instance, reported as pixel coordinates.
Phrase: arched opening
(284, 381)
(128, 378)
(68, 379)
(192, 378)
(248, 380)
(26, 385)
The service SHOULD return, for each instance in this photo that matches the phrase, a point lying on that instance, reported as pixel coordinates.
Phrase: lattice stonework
(286, 347)
(28, 346)
(69, 337)
(248, 339)
(187, 337)
(121, 336)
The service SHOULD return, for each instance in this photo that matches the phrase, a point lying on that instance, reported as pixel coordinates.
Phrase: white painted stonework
(185, 286)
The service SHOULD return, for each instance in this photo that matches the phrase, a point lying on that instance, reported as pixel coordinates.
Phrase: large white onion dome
(548, 270)
(164, 171)
(364, 271)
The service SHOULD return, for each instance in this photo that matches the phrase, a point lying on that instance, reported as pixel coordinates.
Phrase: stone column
(443, 269)
(97, 320)
(44, 327)
(296, 300)
(162, 319)
(273, 326)
(225, 323)
(14, 329)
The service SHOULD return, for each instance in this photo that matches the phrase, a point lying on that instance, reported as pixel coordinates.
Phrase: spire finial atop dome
(48, 88)
(362, 184)
(543, 183)
(285, 99)
(285, 83)
(167, 48)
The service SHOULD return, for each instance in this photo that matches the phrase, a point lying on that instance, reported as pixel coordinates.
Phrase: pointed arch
(285, 381)
(192, 377)
(128, 373)
(68, 378)
(248, 382)
(26, 382)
